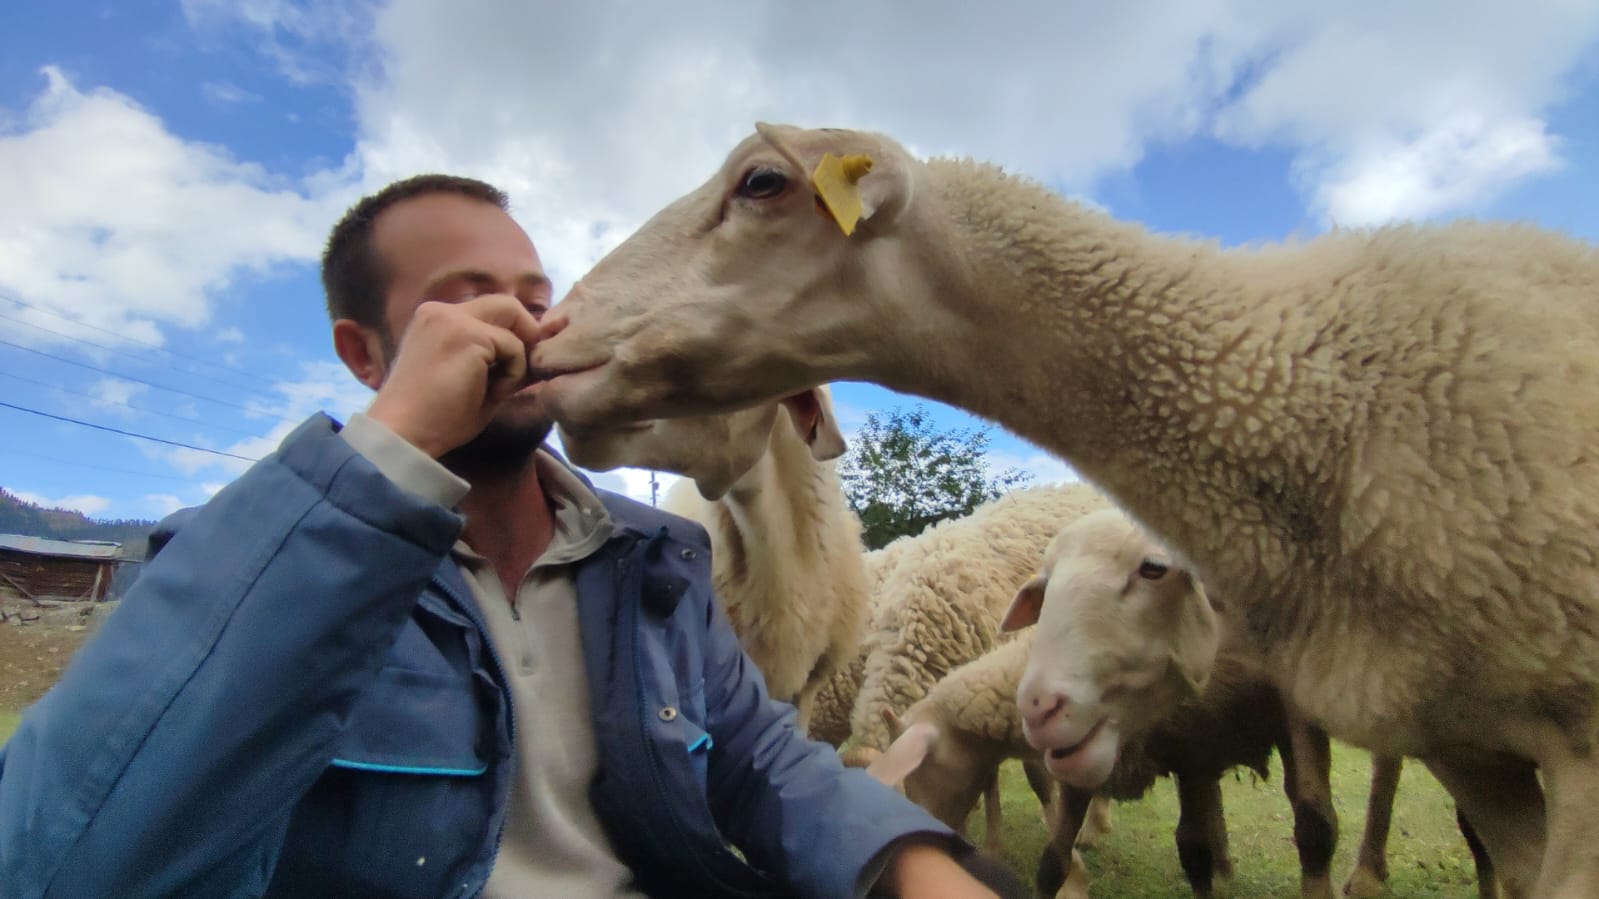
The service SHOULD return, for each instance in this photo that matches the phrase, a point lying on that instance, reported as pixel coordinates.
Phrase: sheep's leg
(1504, 802)
(1042, 785)
(1060, 872)
(1487, 884)
(1098, 824)
(1571, 856)
(992, 815)
(1370, 877)
(1307, 779)
(1199, 807)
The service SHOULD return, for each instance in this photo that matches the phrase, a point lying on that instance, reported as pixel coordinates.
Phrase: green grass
(1427, 857)
(8, 723)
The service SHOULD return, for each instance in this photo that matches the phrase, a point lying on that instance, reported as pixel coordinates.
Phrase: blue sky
(168, 170)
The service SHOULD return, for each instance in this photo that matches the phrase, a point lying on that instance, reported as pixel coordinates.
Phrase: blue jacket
(296, 698)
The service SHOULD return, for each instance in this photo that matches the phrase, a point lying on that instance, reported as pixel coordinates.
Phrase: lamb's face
(741, 292)
(1124, 635)
(714, 451)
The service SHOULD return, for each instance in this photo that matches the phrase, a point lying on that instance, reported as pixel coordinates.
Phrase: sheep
(835, 701)
(939, 606)
(1134, 675)
(786, 554)
(1370, 876)
(1366, 441)
(948, 747)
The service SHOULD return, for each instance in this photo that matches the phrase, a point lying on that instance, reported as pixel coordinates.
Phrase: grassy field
(1427, 857)
(8, 723)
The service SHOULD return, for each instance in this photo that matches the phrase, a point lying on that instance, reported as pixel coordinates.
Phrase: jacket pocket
(405, 806)
(416, 722)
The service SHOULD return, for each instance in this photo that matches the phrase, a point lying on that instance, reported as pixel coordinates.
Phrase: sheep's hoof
(1364, 884)
(1320, 887)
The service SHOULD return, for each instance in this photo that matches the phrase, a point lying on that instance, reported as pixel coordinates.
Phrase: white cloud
(322, 386)
(164, 503)
(111, 219)
(223, 93)
(87, 504)
(229, 335)
(1044, 467)
(114, 394)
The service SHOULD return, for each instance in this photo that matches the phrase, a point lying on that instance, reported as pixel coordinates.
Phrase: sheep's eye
(762, 184)
(1153, 570)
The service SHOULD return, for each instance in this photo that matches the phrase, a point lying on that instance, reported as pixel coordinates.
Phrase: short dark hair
(353, 276)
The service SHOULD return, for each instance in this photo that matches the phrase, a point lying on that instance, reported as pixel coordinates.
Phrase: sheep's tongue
(1087, 765)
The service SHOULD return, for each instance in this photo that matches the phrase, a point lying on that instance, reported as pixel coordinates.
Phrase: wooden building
(39, 568)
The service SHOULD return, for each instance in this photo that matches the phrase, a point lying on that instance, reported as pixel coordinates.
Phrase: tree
(902, 474)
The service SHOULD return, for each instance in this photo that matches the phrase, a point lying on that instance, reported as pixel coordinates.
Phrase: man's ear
(362, 350)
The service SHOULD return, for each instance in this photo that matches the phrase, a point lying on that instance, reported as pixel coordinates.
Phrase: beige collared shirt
(554, 845)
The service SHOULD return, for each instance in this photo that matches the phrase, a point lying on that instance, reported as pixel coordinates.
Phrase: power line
(126, 433)
(106, 371)
(75, 464)
(134, 356)
(128, 337)
(126, 405)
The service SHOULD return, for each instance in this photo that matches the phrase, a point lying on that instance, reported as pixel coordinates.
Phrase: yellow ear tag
(834, 180)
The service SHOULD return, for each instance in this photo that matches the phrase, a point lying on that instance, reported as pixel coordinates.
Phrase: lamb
(940, 604)
(1134, 675)
(786, 547)
(1366, 441)
(948, 747)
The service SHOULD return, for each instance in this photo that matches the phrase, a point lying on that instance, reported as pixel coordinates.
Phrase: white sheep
(948, 747)
(1370, 442)
(786, 555)
(1133, 675)
(938, 605)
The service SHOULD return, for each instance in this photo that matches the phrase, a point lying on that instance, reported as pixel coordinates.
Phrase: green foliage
(903, 474)
(19, 517)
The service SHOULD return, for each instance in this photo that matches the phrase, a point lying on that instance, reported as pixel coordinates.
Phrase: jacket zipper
(470, 609)
(652, 752)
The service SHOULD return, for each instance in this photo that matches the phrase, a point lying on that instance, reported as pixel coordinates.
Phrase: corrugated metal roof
(72, 549)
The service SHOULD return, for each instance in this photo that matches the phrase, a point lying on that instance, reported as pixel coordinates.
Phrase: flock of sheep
(1345, 489)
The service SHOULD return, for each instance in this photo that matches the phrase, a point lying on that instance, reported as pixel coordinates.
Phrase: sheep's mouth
(1087, 763)
(1063, 753)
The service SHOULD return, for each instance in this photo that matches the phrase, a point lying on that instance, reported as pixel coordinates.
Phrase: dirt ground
(31, 658)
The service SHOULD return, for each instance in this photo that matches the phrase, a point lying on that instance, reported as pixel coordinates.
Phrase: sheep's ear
(855, 178)
(1024, 608)
(905, 755)
(896, 727)
(1196, 640)
(811, 411)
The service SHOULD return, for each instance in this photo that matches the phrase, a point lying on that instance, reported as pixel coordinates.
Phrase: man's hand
(920, 871)
(456, 363)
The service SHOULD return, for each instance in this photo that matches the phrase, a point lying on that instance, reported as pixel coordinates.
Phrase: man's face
(451, 248)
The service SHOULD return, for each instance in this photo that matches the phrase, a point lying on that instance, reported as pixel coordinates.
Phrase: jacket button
(688, 554)
(668, 714)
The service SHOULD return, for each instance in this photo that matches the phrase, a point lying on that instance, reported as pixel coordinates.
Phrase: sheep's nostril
(1044, 709)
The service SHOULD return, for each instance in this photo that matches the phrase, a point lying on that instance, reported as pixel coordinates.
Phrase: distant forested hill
(20, 517)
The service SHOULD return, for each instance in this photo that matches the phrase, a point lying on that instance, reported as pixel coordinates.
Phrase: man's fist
(455, 364)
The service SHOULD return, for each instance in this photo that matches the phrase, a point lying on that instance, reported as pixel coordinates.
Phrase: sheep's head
(714, 451)
(746, 290)
(1124, 635)
(932, 770)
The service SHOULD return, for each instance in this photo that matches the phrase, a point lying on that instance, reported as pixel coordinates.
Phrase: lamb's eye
(1153, 570)
(762, 184)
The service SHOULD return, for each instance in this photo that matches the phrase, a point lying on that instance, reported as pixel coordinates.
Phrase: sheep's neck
(1137, 358)
(772, 508)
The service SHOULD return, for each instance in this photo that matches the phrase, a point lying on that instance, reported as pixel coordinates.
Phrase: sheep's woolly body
(835, 701)
(939, 604)
(1369, 444)
(786, 564)
(979, 727)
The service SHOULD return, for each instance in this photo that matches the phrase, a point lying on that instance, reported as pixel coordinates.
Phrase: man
(420, 656)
